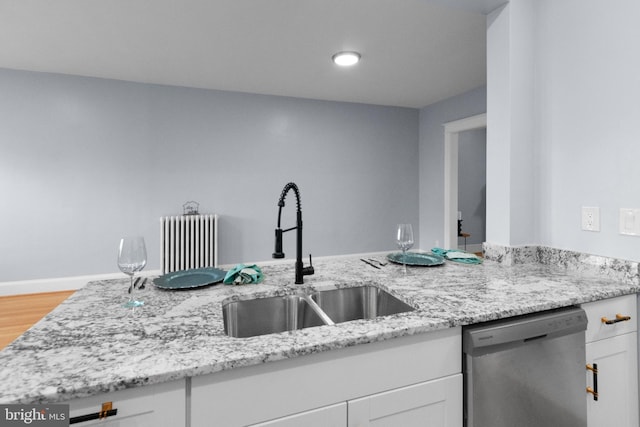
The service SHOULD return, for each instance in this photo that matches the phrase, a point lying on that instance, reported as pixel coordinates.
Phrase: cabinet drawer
(609, 308)
(159, 405)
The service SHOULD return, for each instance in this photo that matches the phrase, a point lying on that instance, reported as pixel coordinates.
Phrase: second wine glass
(404, 239)
(132, 257)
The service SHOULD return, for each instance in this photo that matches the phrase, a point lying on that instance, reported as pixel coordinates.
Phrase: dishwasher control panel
(522, 329)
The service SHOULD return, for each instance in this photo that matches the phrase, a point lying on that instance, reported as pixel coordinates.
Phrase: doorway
(451, 148)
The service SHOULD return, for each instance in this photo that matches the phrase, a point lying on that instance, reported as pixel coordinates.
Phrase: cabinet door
(617, 403)
(160, 405)
(329, 416)
(436, 403)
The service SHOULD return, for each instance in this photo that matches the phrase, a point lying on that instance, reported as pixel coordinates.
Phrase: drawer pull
(106, 411)
(619, 318)
(593, 390)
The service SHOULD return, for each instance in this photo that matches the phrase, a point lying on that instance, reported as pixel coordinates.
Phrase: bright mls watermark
(34, 415)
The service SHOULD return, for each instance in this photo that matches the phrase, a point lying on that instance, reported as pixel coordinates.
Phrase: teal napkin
(457, 255)
(243, 274)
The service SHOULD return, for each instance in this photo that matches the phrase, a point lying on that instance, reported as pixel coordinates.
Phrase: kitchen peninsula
(86, 348)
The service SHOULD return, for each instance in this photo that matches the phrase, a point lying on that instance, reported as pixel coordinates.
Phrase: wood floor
(19, 312)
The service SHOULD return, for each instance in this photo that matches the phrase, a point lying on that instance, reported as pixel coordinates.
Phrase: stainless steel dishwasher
(526, 371)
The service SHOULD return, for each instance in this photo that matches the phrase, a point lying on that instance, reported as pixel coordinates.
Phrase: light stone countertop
(83, 347)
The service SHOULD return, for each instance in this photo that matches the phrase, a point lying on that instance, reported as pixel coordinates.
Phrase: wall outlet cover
(591, 219)
(630, 222)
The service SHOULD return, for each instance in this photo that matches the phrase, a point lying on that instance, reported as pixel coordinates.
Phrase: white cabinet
(419, 374)
(329, 416)
(436, 403)
(617, 403)
(613, 348)
(160, 405)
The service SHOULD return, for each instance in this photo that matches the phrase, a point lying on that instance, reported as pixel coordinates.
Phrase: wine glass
(132, 257)
(404, 239)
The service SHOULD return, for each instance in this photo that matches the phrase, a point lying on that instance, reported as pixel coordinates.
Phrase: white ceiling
(414, 52)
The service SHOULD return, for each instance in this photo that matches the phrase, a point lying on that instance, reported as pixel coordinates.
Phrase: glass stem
(404, 260)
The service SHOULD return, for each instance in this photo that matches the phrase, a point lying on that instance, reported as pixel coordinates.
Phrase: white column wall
(511, 155)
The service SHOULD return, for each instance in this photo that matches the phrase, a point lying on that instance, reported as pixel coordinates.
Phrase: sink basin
(263, 316)
(362, 302)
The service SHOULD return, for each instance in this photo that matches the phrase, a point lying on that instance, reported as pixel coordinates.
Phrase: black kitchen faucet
(300, 269)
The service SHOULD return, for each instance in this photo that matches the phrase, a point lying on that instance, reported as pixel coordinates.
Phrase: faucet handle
(307, 271)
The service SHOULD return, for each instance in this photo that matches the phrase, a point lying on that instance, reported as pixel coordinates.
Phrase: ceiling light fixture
(346, 59)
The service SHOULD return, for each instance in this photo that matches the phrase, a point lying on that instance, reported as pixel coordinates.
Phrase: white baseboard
(58, 284)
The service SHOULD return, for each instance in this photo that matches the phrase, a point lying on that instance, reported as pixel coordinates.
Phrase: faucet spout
(301, 270)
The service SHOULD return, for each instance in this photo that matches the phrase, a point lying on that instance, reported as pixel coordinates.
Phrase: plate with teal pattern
(416, 258)
(189, 279)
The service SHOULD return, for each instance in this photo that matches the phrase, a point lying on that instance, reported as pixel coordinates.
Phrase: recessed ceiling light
(346, 59)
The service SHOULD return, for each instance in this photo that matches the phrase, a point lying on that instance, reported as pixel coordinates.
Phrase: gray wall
(563, 123)
(431, 134)
(587, 114)
(472, 183)
(85, 161)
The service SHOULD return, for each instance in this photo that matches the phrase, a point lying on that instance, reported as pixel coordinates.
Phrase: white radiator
(188, 241)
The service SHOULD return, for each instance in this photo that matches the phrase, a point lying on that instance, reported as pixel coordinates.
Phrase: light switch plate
(630, 222)
(591, 219)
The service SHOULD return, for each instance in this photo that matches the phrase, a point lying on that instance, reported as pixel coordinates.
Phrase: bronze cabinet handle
(107, 410)
(619, 318)
(593, 390)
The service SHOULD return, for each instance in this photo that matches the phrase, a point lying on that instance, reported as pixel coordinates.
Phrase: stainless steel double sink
(261, 316)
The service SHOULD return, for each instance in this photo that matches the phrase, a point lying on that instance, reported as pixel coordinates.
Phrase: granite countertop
(84, 347)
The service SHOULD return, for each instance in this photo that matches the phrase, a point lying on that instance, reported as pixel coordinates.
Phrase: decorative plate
(416, 258)
(187, 279)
